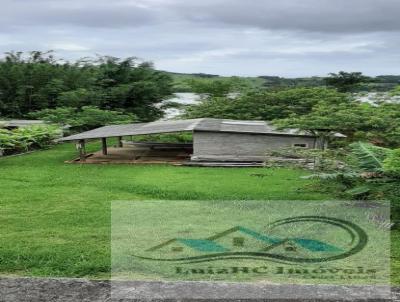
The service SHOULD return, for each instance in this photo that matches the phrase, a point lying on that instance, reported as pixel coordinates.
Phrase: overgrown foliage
(265, 105)
(321, 111)
(27, 138)
(379, 123)
(39, 81)
(217, 87)
(85, 118)
(347, 81)
(314, 159)
(391, 164)
(396, 90)
(370, 173)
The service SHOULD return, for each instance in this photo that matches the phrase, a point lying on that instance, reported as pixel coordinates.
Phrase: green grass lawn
(55, 217)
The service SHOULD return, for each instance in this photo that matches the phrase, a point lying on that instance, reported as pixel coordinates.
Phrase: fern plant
(27, 138)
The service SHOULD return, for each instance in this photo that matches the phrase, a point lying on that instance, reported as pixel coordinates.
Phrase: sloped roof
(21, 123)
(203, 124)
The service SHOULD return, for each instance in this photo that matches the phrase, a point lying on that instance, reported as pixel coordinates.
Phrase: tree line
(92, 92)
(38, 80)
(324, 111)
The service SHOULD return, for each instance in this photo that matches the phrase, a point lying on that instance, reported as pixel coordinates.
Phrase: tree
(384, 120)
(86, 118)
(346, 81)
(265, 105)
(38, 81)
(326, 120)
(395, 91)
(379, 124)
(217, 87)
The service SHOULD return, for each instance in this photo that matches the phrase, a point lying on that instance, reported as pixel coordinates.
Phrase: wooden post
(119, 144)
(82, 150)
(104, 145)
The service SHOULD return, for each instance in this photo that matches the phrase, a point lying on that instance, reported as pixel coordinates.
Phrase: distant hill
(381, 83)
(181, 78)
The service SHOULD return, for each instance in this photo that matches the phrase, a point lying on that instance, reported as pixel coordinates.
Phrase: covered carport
(129, 151)
(216, 142)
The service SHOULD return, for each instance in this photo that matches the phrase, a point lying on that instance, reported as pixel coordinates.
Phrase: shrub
(392, 163)
(86, 118)
(27, 138)
(322, 160)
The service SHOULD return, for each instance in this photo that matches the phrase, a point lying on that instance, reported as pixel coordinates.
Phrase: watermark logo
(301, 239)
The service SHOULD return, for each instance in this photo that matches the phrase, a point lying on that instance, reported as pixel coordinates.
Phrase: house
(214, 140)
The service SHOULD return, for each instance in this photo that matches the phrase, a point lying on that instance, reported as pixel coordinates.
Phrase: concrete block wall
(227, 146)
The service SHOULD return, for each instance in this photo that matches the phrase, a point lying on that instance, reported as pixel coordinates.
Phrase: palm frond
(369, 158)
(359, 190)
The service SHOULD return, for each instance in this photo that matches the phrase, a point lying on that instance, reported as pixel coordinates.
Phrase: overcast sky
(227, 37)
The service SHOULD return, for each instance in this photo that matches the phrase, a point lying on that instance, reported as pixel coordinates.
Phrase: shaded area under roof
(203, 124)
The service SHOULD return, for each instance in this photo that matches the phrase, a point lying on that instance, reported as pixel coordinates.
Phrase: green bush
(323, 160)
(392, 163)
(86, 118)
(27, 138)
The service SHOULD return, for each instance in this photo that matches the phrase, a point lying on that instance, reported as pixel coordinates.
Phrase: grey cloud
(345, 16)
(230, 37)
(61, 13)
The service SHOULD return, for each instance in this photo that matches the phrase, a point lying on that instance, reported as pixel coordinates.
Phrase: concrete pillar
(82, 150)
(119, 142)
(104, 145)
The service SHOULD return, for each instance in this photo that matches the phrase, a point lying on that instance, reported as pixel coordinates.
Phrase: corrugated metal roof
(204, 124)
(21, 123)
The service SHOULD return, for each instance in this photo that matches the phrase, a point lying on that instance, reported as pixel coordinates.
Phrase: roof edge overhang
(71, 139)
(190, 125)
(257, 133)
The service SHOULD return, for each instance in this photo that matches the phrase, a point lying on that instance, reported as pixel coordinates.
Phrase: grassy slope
(57, 216)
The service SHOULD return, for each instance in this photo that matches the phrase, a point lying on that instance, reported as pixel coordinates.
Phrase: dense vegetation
(363, 170)
(28, 138)
(40, 81)
(381, 83)
(323, 111)
(84, 118)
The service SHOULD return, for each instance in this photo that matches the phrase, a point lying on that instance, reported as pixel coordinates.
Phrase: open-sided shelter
(213, 139)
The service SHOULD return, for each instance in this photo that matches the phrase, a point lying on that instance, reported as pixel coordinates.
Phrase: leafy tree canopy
(396, 90)
(217, 87)
(379, 124)
(346, 81)
(39, 81)
(265, 105)
(86, 118)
